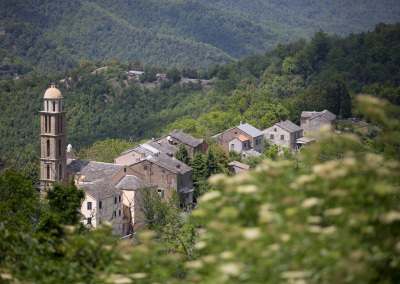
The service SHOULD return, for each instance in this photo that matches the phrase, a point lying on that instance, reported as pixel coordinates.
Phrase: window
(89, 221)
(274, 129)
(258, 141)
(99, 221)
(161, 192)
(57, 124)
(271, 136)
(59, 147)
(245, 144)
(115, 200)
(100, 204)
(60, 121)
(170, 178)
(48, 171)
(54, 106)
(45, 123)
(235, 132)
(232, 146)
(124, 170)
(282, 137)
(48, 148)
(60, 171)
(47, 108)
(119, 199)
(49, 123)
(89, 206)
(115, 214)
(119, 212)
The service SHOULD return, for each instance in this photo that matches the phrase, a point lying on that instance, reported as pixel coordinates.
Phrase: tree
(337, 97)
(211, 164)
(64, 205)
(19, 202)
(173, 74)
(182, 154)
(199, 168)
(235, 156)
(105, 151)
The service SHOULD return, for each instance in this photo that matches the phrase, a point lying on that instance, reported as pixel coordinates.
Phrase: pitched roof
(186, 138)
(239, 165)
(171, 164)
(251, 152)
(249, 129)
(93, 170)
(130, 182)
(289, 126)
(313, 114)
(100, 189)
(163, 147)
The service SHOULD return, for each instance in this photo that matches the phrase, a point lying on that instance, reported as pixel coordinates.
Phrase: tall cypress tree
(212, 166)
(198, 165)
(182, 154)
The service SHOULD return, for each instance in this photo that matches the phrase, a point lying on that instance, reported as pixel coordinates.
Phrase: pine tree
(212, 166)
(182, 154)
(198, 165)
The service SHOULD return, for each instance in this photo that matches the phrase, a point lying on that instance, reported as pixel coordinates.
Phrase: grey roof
(186, 138)
(249, 129)
(163, 147)
(313, 114)
(239, 165)
(251, 152)
(93, 170)
(137, 149)
(130, 182)
(305, 140)
(289, 126)
(327, 114)
(100, 189)
(171, 164)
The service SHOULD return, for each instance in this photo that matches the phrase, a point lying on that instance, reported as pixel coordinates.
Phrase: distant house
(133, 217)
(135, 73)
(313, 121)
(192, 144)
(237, 167)
(254, 136)
(103, 200)
(284, 134)
(239, 143)
(251, 152)
(167, 174)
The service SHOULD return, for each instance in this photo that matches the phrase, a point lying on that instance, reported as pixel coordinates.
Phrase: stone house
(131, 187)
(284, 134)
(251, 152)
(104, 197)
(237, 167)
(313, 121)
(254, 136)
(167, 174)
(103, 202)
(239, 143)
(177, 137)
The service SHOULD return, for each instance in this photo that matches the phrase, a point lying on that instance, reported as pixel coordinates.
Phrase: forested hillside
(324, 73)
(56, 35)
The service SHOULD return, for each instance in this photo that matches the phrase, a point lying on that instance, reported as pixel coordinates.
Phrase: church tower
(53, 161)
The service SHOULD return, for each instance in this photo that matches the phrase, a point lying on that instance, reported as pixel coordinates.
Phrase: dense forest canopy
(324, 73)
(57, 35)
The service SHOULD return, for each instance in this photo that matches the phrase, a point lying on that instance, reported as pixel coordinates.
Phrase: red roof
(242, 138)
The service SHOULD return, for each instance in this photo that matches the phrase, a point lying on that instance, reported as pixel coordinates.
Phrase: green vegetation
(331, 216)
(53, 36)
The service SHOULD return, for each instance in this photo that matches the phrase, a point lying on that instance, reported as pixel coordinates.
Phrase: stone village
(112, 191)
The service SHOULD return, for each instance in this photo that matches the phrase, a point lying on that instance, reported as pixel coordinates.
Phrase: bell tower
(53, 161)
